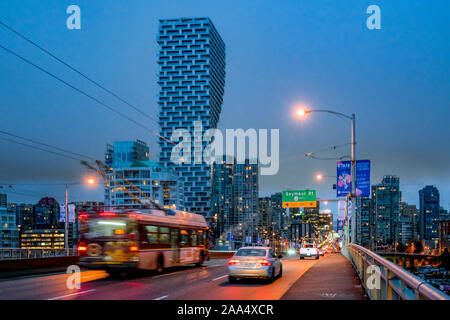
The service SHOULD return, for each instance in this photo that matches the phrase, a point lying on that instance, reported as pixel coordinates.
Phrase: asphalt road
(209, 282)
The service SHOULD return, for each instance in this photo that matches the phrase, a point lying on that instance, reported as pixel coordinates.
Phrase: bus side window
(152, 234)
(200, 238)
(194, 238)
(164, 235)
(184, 238)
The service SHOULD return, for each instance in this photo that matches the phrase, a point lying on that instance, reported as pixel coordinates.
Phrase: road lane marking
(160, 298)
(72, 294)
(167, 274)
(220, 277)
(214, 265)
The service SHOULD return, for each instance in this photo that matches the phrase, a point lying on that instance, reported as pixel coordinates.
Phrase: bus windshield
(110, 228)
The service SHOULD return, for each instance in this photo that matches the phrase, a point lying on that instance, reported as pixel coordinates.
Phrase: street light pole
(66, 223)
(352, 196)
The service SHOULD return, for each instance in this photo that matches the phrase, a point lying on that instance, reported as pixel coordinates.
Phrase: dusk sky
(279, 54)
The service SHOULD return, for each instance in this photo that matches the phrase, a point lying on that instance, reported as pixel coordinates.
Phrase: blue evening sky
(278, 54)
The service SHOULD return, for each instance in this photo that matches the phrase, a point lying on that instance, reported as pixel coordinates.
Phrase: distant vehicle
(255, 262)
(329, 249)
(150, 239)
(321, 252)
(309, 250)
(291, 252)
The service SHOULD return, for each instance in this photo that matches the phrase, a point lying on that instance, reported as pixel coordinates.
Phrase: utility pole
(66, 232)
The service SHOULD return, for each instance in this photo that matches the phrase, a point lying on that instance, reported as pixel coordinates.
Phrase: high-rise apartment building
(362, 220)
(429, 213)
(408, 223)
(279, 216)
(234, 203)
(191, 78)
(9, 234)
(124, 153)
(222, 203)
(386, 198)
(265, 225)
(3, 200)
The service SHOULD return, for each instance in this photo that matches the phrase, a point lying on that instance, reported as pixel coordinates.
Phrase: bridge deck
(331, 278)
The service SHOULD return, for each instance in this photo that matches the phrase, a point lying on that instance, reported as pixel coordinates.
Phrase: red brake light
(233, 261)
(264, 262)
(81, 247)
(132, 215)
(107, 214)
(83, 215)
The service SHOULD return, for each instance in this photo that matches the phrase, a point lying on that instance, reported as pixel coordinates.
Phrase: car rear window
(251, 252)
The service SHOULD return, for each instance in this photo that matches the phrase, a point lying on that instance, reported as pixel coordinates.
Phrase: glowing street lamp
(89, 181)
(301, 112)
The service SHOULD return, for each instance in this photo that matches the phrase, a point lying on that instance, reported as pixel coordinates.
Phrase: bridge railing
(22, 253)
(394, 282)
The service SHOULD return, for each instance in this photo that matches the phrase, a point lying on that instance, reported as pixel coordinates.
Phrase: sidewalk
(330, 278)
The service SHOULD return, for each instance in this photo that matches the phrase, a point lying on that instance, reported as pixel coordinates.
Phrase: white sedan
(255, 262)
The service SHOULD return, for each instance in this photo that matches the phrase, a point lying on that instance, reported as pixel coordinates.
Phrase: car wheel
(301, 258)
(317, 257)
(232, 279)
(281, 271)
(272, 276)
(200, 262)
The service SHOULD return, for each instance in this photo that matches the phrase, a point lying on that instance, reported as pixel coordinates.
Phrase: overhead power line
(41, 149)
(84, 93)
(78, 72)
(46, 145)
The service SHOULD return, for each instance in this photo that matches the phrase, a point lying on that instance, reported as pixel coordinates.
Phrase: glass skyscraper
(191, 78)
(429, 213)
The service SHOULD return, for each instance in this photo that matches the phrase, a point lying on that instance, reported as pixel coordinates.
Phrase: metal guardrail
(395, 282)
(22, 253)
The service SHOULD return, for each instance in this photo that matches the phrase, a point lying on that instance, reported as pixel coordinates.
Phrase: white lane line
(160, 298)
(72, 294)
(214, 265)
(220, 277)
(167, 274)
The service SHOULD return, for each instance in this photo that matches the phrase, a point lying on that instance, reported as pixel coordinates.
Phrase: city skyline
(302, 83)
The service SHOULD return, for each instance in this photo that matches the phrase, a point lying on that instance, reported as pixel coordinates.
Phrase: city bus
(148, 239)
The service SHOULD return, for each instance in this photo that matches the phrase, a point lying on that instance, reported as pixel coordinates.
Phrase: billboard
(341, 215)
(299, 199)
(62, 213)
(344, 180)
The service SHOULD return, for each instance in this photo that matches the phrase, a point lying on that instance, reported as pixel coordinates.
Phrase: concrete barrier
(221, 254)
(11, 268)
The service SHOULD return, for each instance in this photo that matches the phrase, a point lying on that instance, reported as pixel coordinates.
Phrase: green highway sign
(299, 195)
(299, 198)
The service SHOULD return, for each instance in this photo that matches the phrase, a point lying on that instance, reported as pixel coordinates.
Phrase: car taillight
(81, 247)
(107, 214)
(134, 248)
(233, 261)
(264, 262)
(83, 215)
